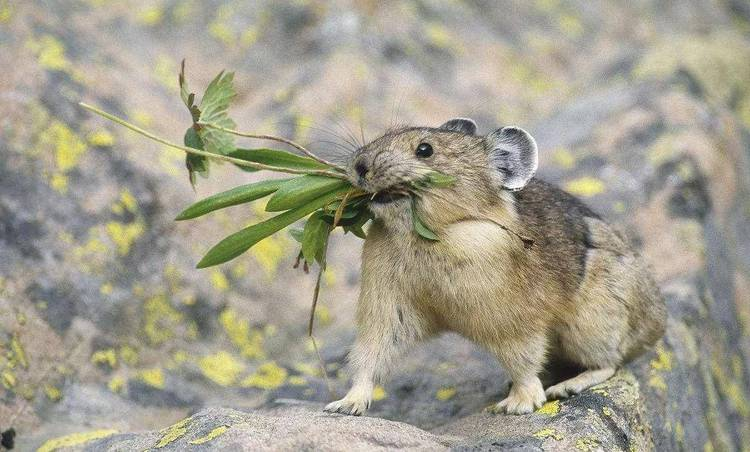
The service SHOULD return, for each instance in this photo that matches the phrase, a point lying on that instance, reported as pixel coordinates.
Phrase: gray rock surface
(109, 335)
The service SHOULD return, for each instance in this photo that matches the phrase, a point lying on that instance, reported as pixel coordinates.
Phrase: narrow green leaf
(315, 238)
(301, 190)
(276, 157)
(233, 197)
(419, 227)
(241, 241)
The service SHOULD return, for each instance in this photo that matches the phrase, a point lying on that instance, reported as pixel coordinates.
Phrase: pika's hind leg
(582, 381)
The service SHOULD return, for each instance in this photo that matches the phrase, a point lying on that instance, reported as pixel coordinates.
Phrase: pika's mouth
(388, 196)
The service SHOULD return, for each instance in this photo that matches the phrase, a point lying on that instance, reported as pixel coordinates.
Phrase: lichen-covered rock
(107, 331)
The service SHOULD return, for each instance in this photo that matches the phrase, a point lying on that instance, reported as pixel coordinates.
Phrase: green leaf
(233, 197)
(195, 163)
(440, 180)
(296, 234)
(301, 190)
(276, 157)
(188, 98)
(241, 241)
(419, 227)
(184, 90)
(214, 109)
(357, 226)
(315, 238)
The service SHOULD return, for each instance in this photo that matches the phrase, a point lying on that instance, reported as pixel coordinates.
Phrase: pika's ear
(462, 125)
(512, 156)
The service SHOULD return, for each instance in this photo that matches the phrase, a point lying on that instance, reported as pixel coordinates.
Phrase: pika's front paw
(348, 406)
(522, 399)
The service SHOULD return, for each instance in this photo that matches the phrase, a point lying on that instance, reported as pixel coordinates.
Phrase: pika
(579, 295)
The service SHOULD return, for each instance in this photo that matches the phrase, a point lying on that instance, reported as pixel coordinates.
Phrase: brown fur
(579, 295)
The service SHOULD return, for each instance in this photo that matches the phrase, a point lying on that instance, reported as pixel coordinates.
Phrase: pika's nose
(361, 169)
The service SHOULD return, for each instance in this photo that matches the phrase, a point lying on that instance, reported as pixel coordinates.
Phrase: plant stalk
(189, 150)
(291, 143)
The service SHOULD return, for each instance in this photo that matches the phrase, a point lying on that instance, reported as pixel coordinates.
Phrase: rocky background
(109, 338)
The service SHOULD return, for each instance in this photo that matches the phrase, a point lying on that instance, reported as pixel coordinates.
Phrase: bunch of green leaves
(319, 191)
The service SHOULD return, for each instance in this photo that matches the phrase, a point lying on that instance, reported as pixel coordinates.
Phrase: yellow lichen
(160, 318)
(588, 443)
(218, 431)
(116, 384)
(153, 377)
(662, 363)
(269, 253)
(52, 393)
(128, 201)
(124, 235)
(268, 376)
(550, 408)
(222, 368)
(440, 36)
(563, 158)
(19, 354)
(297, 380)
(68, 147)
(657, 381)
(219, 28)
(6, 12)
(732, 389)
(106, 356)
(323, 315)
(151, 16)
(129, 355)
(307, 369)
(607, 411)
(570, 25)
(50, 53)
(248, 340)
(219, 280)
(75, 439)
(173, 433)
(445, 393)
(101, 138)
(585, 186)
(8, 378)
(548, 433)
(379, 393)
(164, 71)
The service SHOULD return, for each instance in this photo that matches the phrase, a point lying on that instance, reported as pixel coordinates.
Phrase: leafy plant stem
(194, 151)
(311, 324)
(291, 143)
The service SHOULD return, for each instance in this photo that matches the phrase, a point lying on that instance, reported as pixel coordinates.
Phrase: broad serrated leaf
(419, 227)
(214, 109)
(241, 241)
(315, 238)
(194, 163)
(275, 157)
(233, 197)
(301, 190)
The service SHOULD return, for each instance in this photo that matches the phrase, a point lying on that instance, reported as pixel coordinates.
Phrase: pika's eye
(424, 150)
